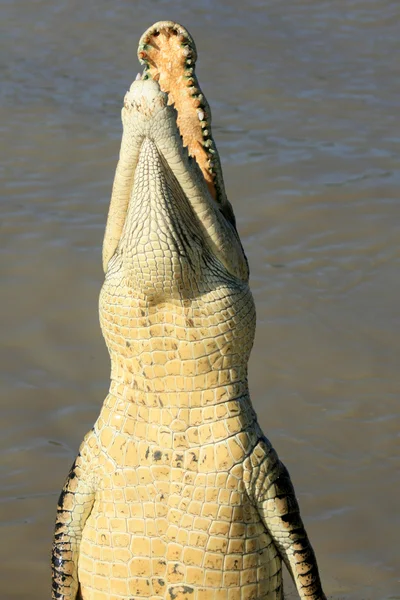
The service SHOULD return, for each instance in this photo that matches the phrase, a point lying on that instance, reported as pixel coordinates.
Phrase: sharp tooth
(138, 77)
(200, 114)
(186, 51)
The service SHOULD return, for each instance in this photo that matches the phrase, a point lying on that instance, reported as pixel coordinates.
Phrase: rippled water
(306, 107)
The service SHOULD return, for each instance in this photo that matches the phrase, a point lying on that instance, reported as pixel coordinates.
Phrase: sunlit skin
(176, 493)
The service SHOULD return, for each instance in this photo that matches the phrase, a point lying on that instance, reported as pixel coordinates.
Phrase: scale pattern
(176, 494)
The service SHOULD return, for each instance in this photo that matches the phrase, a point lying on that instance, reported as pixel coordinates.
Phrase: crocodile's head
(170, 224)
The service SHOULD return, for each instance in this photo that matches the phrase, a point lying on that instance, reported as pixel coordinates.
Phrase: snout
(145, 97)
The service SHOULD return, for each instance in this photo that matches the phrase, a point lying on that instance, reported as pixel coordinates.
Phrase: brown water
(306, 107)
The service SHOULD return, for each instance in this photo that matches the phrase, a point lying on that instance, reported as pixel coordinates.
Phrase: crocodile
(176, 493)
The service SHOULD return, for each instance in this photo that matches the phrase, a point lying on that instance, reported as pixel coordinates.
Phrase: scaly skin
(176, 494)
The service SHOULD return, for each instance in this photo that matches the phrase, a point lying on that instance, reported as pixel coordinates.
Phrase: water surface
(306, 106)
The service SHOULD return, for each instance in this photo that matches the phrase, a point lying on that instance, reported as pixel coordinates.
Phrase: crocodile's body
(176, 493)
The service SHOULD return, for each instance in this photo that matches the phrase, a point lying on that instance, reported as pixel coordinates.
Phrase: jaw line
(146, 114)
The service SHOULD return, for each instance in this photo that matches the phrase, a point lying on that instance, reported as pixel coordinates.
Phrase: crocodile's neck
(178, 426)
(182, 399)
(182, 354)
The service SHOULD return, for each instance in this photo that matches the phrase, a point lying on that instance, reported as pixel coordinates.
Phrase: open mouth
(168, 53)
(166, 106)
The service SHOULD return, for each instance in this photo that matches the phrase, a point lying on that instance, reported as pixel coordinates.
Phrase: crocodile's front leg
(272, 491)
(74, 506)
